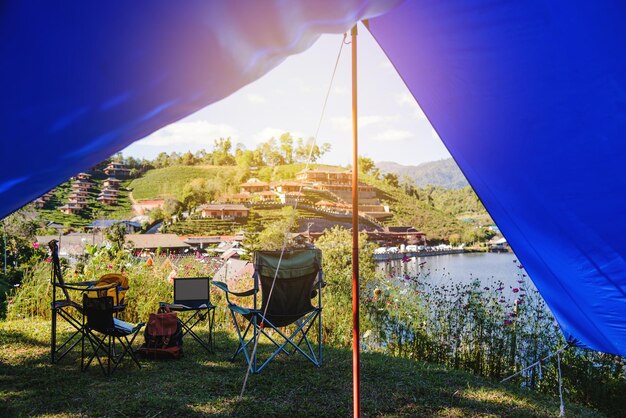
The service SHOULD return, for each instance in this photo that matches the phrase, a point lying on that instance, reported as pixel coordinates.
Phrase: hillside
(442, 173)
(169, 181)
(441, 213)
(94, 209)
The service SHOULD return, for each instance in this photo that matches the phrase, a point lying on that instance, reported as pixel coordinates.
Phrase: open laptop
(192, 292)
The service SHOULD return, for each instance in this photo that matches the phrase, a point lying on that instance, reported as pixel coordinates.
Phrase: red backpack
(163, 336)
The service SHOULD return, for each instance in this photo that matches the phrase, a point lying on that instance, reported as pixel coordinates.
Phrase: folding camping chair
(103, 330)
(64, 308)
(288, 286)
(193, 294)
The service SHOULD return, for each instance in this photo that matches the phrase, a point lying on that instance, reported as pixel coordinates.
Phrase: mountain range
(444, 173)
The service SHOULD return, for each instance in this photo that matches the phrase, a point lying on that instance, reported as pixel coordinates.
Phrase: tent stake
(356, 396)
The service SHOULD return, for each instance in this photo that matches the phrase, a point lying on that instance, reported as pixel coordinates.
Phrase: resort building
(71, 208)
(224, 211)
(71, 245)
(81, 185)
(116, 170)
(236, 198)
(100, 224)
(111, 183)
(147, 243)
(267, 196)
(287, 186)
(254, 185)
(83, 176)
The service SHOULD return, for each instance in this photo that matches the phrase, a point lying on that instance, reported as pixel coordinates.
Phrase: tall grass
(489, 329)
(485, 328)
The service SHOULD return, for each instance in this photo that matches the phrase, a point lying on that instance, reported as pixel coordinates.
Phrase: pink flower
(49, 259)
(110, 267)
(35, 245)
(508, 322)
(515, 290)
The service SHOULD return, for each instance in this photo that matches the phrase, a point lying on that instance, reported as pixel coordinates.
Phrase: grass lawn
(202, 384)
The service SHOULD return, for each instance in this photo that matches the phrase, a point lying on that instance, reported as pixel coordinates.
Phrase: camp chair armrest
(220, 285)
(80, 286)
(239, 309)
(249, 292)
(224, 287)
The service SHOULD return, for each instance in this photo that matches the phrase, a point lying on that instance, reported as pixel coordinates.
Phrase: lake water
(460, 268)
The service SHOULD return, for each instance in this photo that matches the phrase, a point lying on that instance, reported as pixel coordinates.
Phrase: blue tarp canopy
(529, 97)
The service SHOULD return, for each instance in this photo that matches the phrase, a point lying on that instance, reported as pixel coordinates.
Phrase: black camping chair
(102, 330)
(288, 286)
(193, 294)
(64, 308)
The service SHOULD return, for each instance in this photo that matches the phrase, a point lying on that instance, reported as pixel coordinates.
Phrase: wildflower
(508, 322)
(377, 292)
(486, 288)
(515, 290)
(110, 267)
(35, 245)
(49, 259)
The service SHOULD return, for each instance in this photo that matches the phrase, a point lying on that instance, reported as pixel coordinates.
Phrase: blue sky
(392, 127)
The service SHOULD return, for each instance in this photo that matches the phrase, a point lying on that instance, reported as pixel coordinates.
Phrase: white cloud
(393, 135)
(344, 123)
(199, 132)
(255, 98)
(268, 133)
(406, 99)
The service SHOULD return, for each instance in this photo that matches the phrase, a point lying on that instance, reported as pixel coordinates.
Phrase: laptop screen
(191, 291)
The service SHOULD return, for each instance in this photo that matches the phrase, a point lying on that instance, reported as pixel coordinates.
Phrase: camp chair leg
(53, 335)
(304, 335)
(242, 343)
(58, 353)
(96, 348)
(211, 323)
(319, 336)
(288, 340)
(194, 320)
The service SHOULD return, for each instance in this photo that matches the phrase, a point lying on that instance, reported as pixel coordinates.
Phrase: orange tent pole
(356, 396)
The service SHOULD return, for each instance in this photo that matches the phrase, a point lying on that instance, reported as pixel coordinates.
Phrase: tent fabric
(530, 99)
(83, 80)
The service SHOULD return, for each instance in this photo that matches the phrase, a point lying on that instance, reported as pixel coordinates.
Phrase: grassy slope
(169, 181)
(201, 384)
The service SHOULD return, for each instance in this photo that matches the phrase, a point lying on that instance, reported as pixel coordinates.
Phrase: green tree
(115, 234)
(366, 165)
(221, 152)
(278, 233)
(286, 146)
(336, 246)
